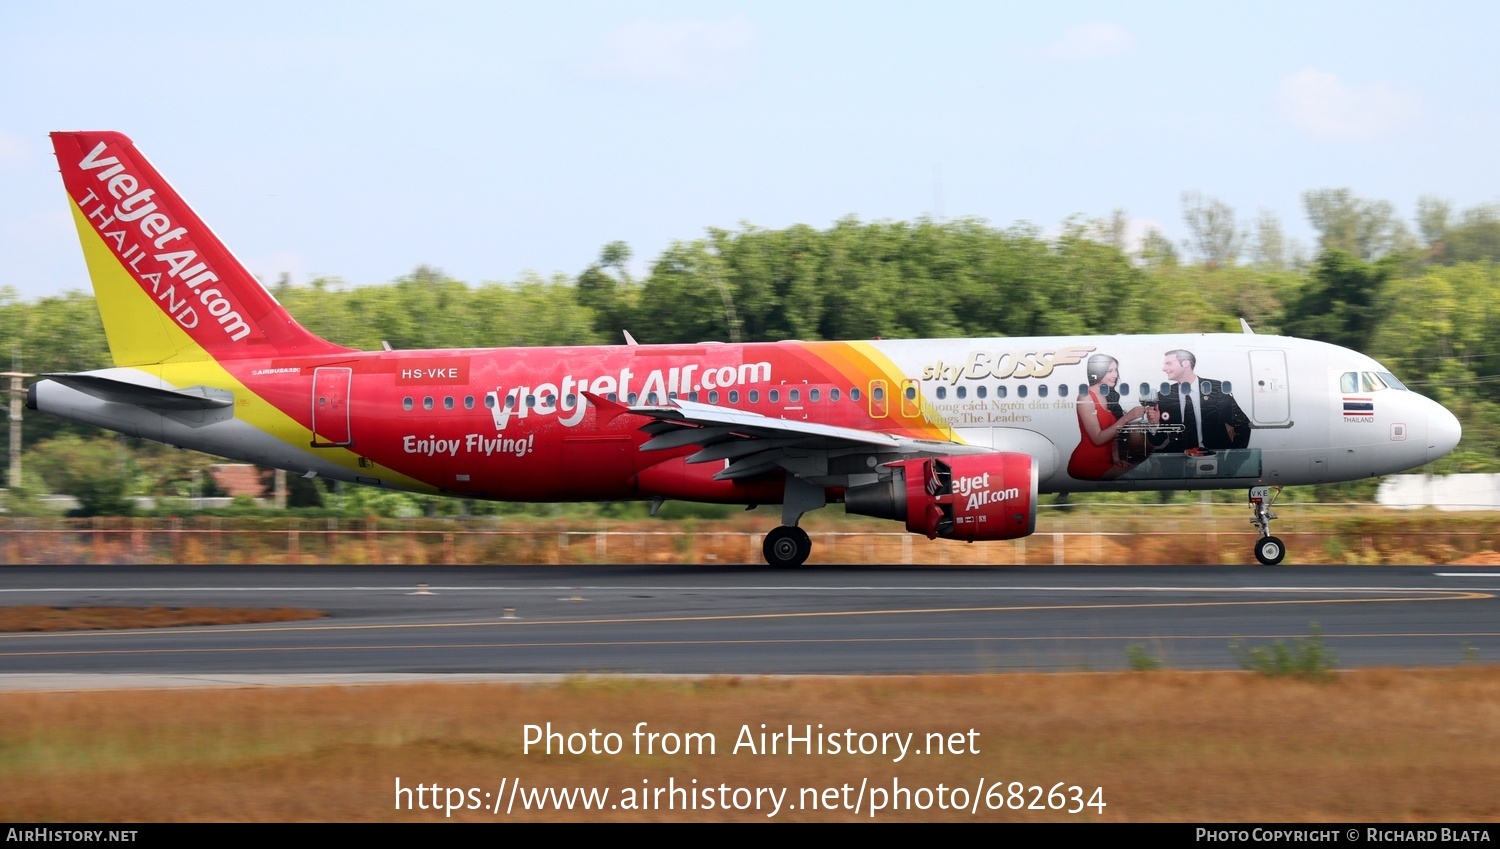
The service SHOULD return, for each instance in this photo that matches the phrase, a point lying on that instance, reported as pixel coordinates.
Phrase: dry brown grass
(1370, 745)
(1181, 534)
(34, 618)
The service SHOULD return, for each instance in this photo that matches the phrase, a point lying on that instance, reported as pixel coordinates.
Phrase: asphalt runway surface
(480, 621)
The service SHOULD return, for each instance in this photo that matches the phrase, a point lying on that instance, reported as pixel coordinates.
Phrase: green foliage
(1365, 229)
(26, 501)
(1141, 660)
(1302, 658)
(426, 309)
(373, 501)
(97, 471)
(1339, 303)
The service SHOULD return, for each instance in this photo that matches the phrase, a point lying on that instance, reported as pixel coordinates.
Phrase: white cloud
(1093, 40)
(693, 54)
(1326, 107)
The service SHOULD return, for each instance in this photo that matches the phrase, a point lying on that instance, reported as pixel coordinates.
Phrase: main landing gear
(788, 546)
(1268, 549)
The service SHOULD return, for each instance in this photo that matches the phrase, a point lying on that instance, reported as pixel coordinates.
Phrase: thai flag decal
(1359, 406)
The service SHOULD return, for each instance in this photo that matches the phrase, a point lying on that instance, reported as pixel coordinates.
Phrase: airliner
(954, 438)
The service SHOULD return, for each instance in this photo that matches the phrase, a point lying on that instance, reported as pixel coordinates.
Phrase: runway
(527, 620)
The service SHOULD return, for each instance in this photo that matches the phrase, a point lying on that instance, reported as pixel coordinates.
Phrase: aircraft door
(911, 399)
(879, 403)
(330, 407)
(1270, 393)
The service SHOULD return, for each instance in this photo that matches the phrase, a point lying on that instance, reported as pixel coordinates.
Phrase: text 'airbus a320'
(955, 438)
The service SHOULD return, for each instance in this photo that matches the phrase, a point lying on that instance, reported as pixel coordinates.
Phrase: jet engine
(969, 497)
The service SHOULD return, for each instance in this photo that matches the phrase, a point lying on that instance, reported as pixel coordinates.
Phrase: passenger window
(812, 395)
(911, 393)
(631, 399)
(833, 394)
(854, 393)
(1021, 391)
(963, 392)
(1062, 390)
(407, 403)
(755, 396)
(942, 393)
(713, 396)
(879, 393)
(773, 396)
(489, 401)
(793, 395)
(1227, 387)
(1041, 391)
(982, 392)
(734, 396)
(1001, 391)
(1124, 390)
(468, 402)
(427, 403)
(448, 402)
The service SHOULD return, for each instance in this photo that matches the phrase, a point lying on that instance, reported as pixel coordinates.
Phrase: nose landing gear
(1269, 550)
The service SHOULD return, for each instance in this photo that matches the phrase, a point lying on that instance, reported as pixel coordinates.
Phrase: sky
(496, 139)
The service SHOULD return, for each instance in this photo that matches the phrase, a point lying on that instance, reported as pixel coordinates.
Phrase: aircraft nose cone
(1443, 431)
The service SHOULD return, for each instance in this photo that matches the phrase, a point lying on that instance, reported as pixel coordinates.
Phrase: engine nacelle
(969, 497)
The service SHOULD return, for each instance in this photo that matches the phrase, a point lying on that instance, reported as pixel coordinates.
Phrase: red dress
(1092, 462)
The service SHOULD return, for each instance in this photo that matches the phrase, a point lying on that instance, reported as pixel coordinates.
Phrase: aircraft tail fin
(167, 288)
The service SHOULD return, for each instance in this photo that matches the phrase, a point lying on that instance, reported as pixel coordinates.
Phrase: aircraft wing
(751, 444)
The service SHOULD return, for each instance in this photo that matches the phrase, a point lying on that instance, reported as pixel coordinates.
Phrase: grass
(1141, 659)
(1367, 746)
(1302, 658)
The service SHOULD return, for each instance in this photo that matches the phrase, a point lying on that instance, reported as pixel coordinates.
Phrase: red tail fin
(167, 287)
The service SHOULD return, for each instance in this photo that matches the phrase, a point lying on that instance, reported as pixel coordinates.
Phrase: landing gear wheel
(787, 547)
(1269, 551)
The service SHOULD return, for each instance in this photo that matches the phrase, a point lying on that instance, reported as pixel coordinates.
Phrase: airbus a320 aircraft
(955, 438)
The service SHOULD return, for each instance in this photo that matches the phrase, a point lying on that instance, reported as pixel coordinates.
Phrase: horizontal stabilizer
(157, 398)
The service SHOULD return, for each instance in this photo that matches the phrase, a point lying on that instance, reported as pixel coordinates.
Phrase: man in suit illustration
(1210, 418)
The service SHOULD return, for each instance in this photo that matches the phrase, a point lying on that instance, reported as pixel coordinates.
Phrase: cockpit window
(1351, 382)
(1390, 380)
